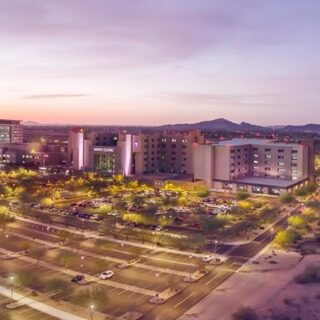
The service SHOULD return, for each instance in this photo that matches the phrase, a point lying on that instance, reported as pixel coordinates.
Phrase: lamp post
(190, 266)
(215, 249)
(82, 261)
(91, 311)
(11, 287)
(157, 288)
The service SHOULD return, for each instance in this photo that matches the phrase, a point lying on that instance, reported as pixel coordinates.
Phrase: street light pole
(157, 289)
(91, 311)
(215, 249)
(11, 287)
(82, 261)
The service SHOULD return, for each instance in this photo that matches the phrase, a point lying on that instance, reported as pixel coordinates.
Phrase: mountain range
(226, 125)
(219, 124)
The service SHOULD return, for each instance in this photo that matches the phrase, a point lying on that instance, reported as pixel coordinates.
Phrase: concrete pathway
(42, 307)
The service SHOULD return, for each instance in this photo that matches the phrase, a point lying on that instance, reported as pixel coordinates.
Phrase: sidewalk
(42, 307)
(256, 287)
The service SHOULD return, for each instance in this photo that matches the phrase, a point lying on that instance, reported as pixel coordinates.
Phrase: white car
(158, 228)
(106, 275)
(207, 258)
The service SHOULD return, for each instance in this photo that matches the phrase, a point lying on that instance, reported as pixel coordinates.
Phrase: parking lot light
(272, 233)
(11, 287)
(215, 249)
(91, 311)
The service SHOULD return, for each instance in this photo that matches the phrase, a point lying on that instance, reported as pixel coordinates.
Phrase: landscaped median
(196, 276)
(164, 296)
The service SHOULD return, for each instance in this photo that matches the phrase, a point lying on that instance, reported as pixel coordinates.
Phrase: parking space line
(184, 300)
(214, 278)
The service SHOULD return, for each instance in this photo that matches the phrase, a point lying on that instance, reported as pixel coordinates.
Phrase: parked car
(207, 258)
(79, 278)
(158, 228)
(106, 275)
(95, 217)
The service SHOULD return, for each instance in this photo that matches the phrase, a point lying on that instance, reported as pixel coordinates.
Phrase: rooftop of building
(268, 182)
(247, 141)
(6, 121)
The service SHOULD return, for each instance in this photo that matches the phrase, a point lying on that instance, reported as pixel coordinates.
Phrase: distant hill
(219, 124)
(311, 127)
(216, 124)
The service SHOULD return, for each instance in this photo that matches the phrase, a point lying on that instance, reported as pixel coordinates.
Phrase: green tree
(5, 217)
(298, 222)
(285, 238)
(47, 202)
(64, 236)
(26, 279)
(210, 224)
(203, 192)
(38, 253)
(287, 198)
(245, 313)
(57, 286)
(242, 195)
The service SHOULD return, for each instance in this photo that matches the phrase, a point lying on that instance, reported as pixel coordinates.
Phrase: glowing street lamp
(91, 311)
(11, 287)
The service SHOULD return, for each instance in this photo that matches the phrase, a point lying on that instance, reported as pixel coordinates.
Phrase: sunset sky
(160, 61)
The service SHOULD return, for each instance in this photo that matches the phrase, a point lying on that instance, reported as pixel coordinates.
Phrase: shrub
(285, 238)
(287, 198)
(245, 313)
(311, 274)
(242, 195)
(298, 222)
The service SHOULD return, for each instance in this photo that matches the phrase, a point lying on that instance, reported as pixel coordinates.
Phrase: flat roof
(246, 141)
(268, 182)
(7, 121)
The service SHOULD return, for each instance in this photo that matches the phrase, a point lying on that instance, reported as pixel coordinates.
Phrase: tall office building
(11, 132)
(76, 148)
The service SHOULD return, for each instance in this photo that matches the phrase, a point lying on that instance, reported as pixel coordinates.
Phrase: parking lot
(128, 290)
(24, 312)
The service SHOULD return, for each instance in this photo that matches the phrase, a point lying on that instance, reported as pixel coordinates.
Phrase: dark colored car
(78, 278)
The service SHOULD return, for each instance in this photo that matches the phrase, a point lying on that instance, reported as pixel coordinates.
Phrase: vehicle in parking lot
(207, 258)
(95, 217)
(79, 279)
(158, 228)
(106, 275)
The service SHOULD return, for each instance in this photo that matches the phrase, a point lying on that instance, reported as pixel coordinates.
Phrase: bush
(285, 238)
(245, 313)
(242, 195)
(203, 193)
(311, 274)
(307, 189)
(298, 222)
(287, 198)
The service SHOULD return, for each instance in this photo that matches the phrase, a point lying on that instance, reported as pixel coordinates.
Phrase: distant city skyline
(156, 62)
